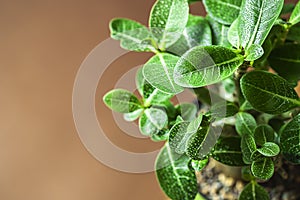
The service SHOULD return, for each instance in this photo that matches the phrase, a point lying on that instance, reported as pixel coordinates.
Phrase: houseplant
(254, 123)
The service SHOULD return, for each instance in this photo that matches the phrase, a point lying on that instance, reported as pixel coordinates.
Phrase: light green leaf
(245, 123)
(133, 115)
(268, 93)
(121, 101)
(196, 33)
(253, 191)
(248, 147)
(162, 135)
(269, 149)
(295, 16)
(233, 34)
(198, 165)
(187, 111)
(133, 35)
(246, 106)
(159, 70)
(223, 11)
(223, 109)
(228, 151)
(152, 121)
(290, 140)
(254, 52)
(257, 19)
(219, 32)
(167, 21)
(174, 175)
(203, 66)
(199, 197)
(263, 169)
(285, 60)
(264, 133)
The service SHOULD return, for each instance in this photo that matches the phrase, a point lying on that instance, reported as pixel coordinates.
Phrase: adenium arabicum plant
(236, 44)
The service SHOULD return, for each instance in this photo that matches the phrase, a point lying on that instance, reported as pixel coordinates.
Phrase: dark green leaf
(228, 151)
(285, 60)
(268, 93)
(246, 173)
(264, 133)
(162, 135)
(168, 19)
(219, 33)
(133, 35)
(196, 33)
(248, 147)
(287, 8)
(152, 121)
(263, 169)
(245, 123)
(223, 109)
(294, 33)
(187, 111)
(257, 19)
(174, 175)
(198, 165)
(159, 70)
(269, 149)
(290, 140)
(295, 16)
(121, 101)
(133, 115)
(203, 66)
(253, 191)
(254, 52)
(223, 11)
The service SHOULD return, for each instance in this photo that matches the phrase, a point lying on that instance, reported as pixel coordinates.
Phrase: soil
(216, 184)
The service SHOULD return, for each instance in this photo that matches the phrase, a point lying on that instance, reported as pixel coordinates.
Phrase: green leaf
(174, 175)
(246, 173)
(269, 149)
(233, 34)
(162, 135)
(223, 109)
(294, 33)
(254, 52)
(219, 32)
(121, 101)
(245, 123)
(198, 165)
(203, 66)
(228, 151)
(264, 133)
(285, 60)
(253, 191)
(133, 35)
(196, 33)
(268, 93)
(133, 115)
(223, 11)
(167, 21)
(229, 85)
(246, 106)
(187, 111)
(248, 147)
(257, 19)
(287, 8)
(263, 169)
(150, 94)
(295, 16)
(158, 71)
(199, 197)
(152, 121)
(290, 140)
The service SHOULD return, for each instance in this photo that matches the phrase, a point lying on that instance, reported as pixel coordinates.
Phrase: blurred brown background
(42, 46)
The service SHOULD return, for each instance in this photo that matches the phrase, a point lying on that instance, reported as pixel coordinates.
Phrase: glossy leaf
(295, 16)
(228, 151)
(187, 111)
(245, 123)
(219, 33)
(133, 115)
(121, 101)
(233, 34)
(263, 169)
(203, 66)
(132, 35)
(253, 191)
(159, 70)
(268, 93)
(198, 165)
(269, 149)
(290, 140)
(164, 23)
(248, 147)
(174, 175)
(254, 52)
(152, 121)
(256, 20)
(196, 33)
(264, 133)
(285, 60)
(223, 11)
